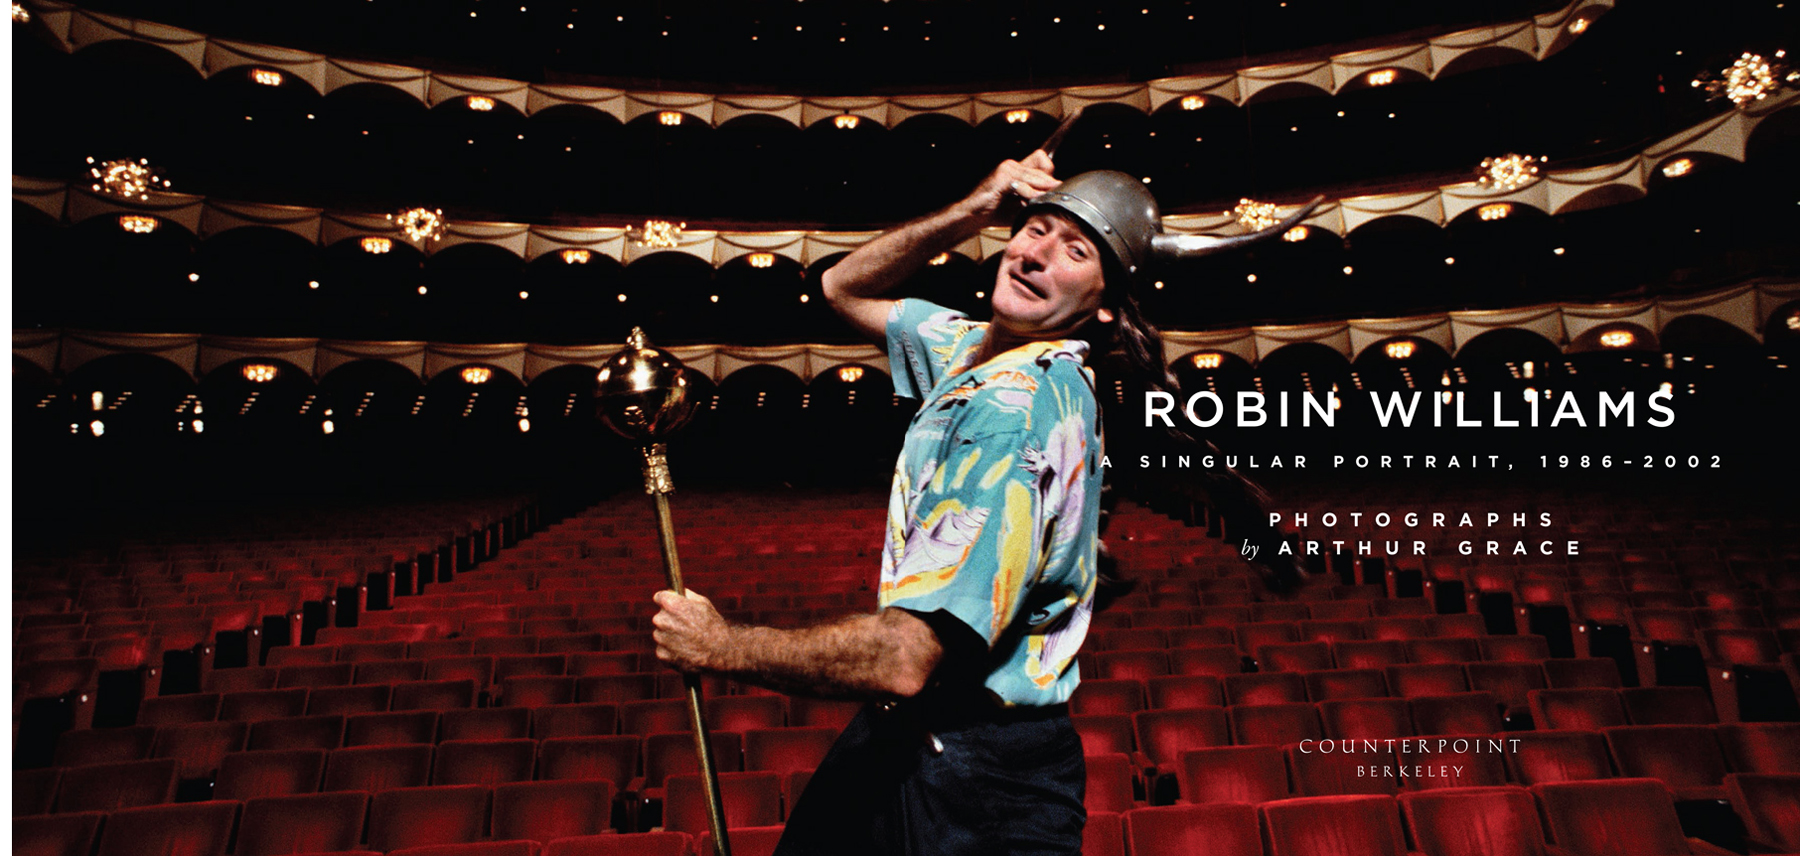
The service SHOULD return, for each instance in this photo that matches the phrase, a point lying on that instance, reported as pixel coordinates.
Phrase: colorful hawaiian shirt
(995, 508)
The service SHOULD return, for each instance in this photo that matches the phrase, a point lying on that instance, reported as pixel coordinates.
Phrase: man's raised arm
(855, 285)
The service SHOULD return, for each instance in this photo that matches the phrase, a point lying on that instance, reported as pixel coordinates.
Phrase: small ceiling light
(1578, 26)
(939, 259)
(1793, 321)
(136, 224)
(312, 284)
(20, 15)
(1401, 350)
(1158, 285)
(524, 295)
(376, 246)
(1450, 260)
(1017, 117)
(524, 425)
(259, 372)
(420, 224)
(669, 118)
(804, 298)
(762, 260)
(1381, 77)
(193, 277)
(1193, 102)
(621, 298)
(1208, 360)
(660, 234)
(848, 121)
(1530, 368)
(480, 103)
(327, 427)
(1348, 270)
(97, 427)
(1250, 278)
(98, 399)
(1494, 211)
(1751, 78)
(125, 178)
(199, 427)
(982, 295)
(423, 290)
(1296, 234)
(1678, 167)
(1559, 250)
(1617, 338)
(477, 374)
(850, 374)
(712, 298)
(574, 256)
(266, 77)
(1508, 172)
(1255, 216)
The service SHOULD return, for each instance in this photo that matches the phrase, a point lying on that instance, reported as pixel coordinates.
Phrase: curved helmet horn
(1194, 246)
(1124, 216)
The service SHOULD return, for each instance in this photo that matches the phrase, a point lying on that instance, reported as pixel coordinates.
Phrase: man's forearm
(880, 265)
(886, 655)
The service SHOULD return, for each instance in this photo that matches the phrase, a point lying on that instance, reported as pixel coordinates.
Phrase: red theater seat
(787, 750)
(70, 834)
(672, 754)
(1761, 747)
(1294, 657)
(574, 720)
(1133, 665)
(1212, 660)
(484, 762)
(613, 759)
(269, 773)
(1687, 758)
(389, 671)
(1109, 782)
(1668, 706)
(1410, 680)
(1582, 672)
(258, 705)
(1454, 761)
(745, 712)
(1104, 834)
(1514, 649)
(1548, 757)
(1103, 733)
(390, 729)
(485, 723)
(34, 791)
(1348, 768)
(1236, 774)
(1396, 628)
(325, 674)
(433, 695)
(298, 732)
(177, 709)
(419, 817)
(1107, 696)
(1617, 817)
(1182, 830)
(543, 811)
(1279, 724)
(343, 701)
(1368, 654)
(821, 713)
(1176, 691)
(1260, 688)
(660, 715)
(1340, 684)
(1474, 821)
(1770, 808)
(526, 691)
(1366, 719)
(377, 768)
(198, 747)
(1459, 713)
(1252, 636)
(1581, 709)
(1163, 735)
(313, 823)
(751, 799)
(185, 829)
(1443, 649)
(104, 745)
(478, 848)
(1333, 826)
(636, 844)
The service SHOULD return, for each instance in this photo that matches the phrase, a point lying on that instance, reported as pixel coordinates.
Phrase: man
(989, 571)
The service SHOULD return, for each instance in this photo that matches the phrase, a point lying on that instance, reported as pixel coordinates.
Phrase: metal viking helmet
(1123, 214)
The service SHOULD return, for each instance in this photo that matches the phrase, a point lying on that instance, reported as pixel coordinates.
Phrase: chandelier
(1751, 78)
(1508, 172)
(420, 224)
(125, 178)
(659, 234)
(1256, 216)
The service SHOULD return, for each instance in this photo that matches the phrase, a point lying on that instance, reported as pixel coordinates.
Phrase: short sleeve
(921, 337)
(974, 548)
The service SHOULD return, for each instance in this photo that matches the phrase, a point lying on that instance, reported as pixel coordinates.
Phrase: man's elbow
(917, 653)
(832, 286)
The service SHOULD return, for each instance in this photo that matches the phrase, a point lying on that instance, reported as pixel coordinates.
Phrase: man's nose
(1036, 250)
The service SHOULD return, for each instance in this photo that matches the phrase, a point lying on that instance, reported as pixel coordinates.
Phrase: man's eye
(1079, 252)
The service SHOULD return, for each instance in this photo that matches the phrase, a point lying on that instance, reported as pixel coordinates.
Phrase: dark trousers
(1003, 783)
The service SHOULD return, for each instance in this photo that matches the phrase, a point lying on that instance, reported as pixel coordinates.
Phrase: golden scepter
(645, 396)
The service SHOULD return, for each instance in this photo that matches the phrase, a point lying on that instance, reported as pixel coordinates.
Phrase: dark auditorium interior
(290, 574)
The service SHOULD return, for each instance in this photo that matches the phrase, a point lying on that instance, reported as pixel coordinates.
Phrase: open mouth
(1024, 283)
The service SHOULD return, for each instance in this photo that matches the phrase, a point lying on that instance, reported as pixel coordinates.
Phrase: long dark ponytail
(1130, 350)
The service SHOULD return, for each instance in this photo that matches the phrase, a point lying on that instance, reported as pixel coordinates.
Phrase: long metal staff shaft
(658, 484)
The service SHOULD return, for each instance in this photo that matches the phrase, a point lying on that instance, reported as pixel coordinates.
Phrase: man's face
(1050, 280)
